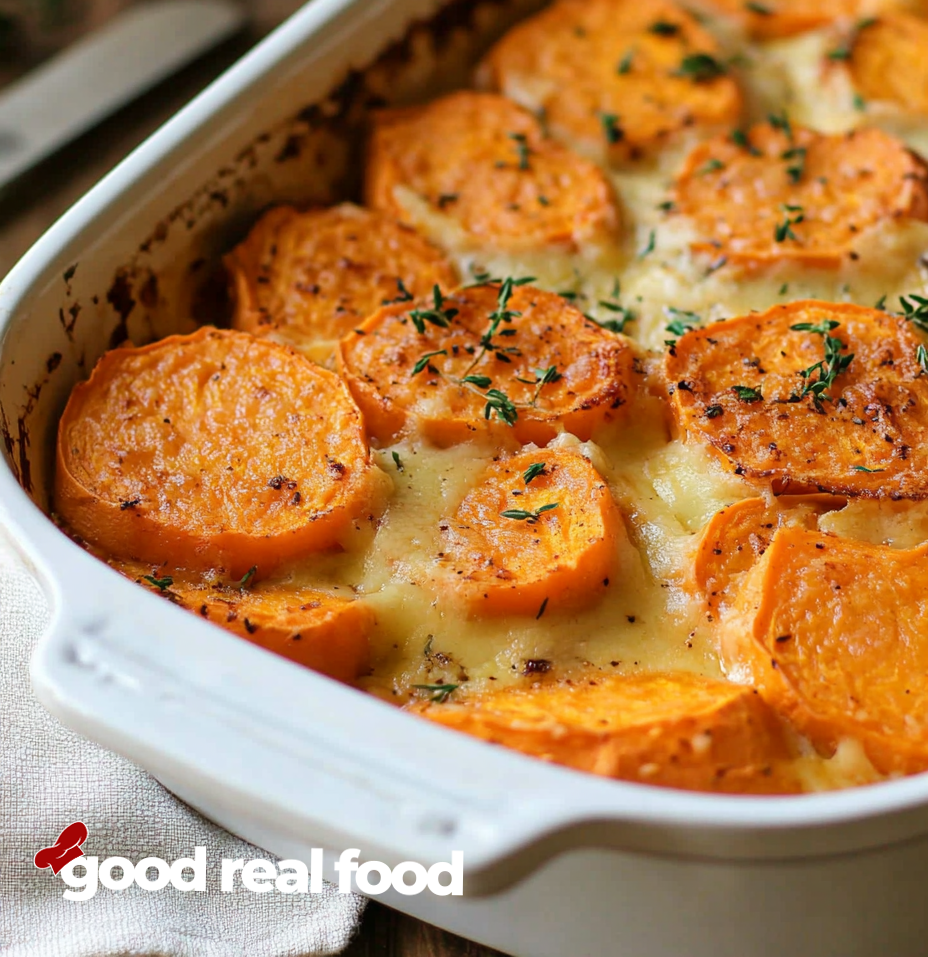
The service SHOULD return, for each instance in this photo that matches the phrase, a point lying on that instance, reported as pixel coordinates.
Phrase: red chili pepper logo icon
(64, 850)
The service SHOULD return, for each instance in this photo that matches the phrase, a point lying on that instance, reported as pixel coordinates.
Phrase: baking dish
(556, 862)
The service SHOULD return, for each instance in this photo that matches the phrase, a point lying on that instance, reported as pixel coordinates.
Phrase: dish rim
(572, 800)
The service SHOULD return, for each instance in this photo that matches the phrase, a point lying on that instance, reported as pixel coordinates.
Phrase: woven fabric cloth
(50, 777)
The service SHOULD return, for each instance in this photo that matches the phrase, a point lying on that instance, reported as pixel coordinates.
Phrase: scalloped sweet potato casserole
(598, 427)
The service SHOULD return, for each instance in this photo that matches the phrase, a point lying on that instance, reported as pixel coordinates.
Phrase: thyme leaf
(521, 515)
(501, 405)
(701, 68)
(162, 584)
(746, 394)
(437, 316)
(611, 128)
(533, 471)
(424, 361)
(404, 294)
(245, 580)
(820, 377)
(439, 693)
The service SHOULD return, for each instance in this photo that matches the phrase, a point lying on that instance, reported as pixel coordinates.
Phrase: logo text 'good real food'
(84, 875)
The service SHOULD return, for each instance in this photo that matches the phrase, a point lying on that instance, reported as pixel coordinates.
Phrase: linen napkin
(51, 777)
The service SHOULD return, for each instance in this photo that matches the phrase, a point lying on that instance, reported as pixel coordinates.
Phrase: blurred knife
(102, 72)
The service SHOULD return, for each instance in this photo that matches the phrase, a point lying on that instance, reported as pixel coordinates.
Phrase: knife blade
(102, 72)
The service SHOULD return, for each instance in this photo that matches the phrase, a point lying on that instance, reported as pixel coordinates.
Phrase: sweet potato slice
(673, 729)
(738, 535)
(307, 278)
(527, 539)
(834, 634)
(615, 78)
(212, 450)
(485, 163)
(314, 628)
(888, 61)
(739, 386)
(546, 369)
(794, 195)
(774, 19)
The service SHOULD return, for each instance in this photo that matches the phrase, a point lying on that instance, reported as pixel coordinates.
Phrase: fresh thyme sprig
(921, 357)
(915, 310)
(502, 314)
(794, 216)
(827, 369)
(796, 167)
(780, 121)
(501, 405)
(522, 149)
(437, 316)
(682, 320)
(542, 378)
(623, 315)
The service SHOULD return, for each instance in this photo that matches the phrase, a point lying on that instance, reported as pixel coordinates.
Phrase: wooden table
(41, 196)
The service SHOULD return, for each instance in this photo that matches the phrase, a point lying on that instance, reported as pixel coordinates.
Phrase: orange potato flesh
(499, 565)
(674, 730)
(595, 368)
(737, 198)
(484, 162)
(307, 278)
(888, 62)
(834, 634)
(581, 60)
(737, 537)
(213, 450)
(313, 628)
(774, 19)
(877, 419)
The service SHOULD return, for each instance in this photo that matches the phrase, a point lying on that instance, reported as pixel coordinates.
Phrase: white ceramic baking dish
(558, 864)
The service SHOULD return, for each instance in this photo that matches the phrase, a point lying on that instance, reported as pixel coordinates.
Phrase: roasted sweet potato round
(307, 278)
(788, 194)
(485, 163)
(314, 628)
(212, 450)
(673, 730)
(888, 61)
(433, 365)
(737, 536)
(615, 78)
(834, 633)
(540, 530)
(839, 408)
